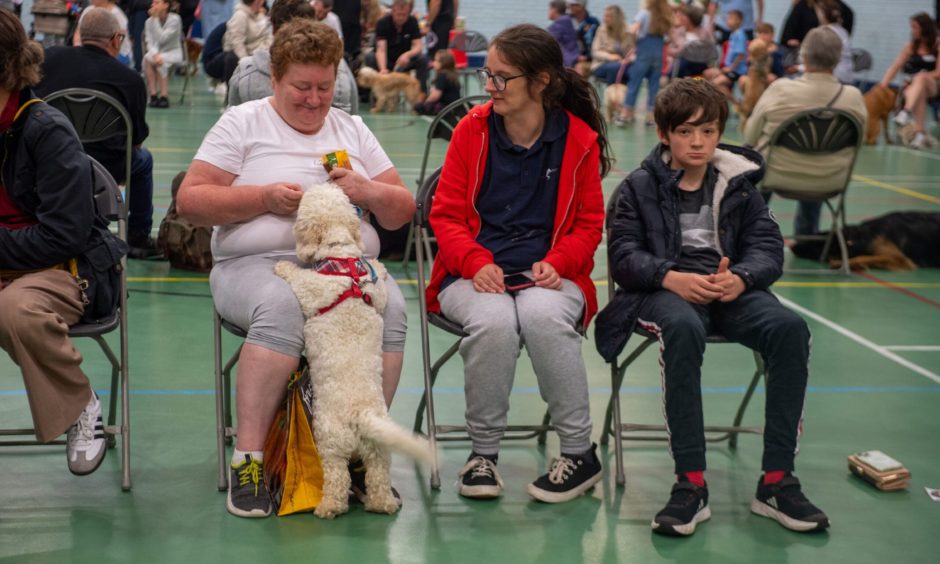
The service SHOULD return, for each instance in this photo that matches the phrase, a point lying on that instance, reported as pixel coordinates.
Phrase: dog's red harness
(355, 268)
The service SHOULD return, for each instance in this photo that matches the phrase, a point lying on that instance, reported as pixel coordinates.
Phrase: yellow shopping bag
(292, 470)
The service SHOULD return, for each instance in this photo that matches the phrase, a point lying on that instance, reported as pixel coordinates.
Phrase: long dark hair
(533, 50)
(928, 33)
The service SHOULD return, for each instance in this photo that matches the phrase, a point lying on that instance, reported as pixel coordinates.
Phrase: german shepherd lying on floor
(895, 241)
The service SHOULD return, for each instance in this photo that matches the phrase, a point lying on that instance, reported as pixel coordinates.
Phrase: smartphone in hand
(516, 282)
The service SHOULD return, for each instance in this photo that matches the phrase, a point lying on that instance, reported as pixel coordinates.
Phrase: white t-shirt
(254, 143)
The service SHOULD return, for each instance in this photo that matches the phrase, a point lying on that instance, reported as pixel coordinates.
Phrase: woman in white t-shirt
(125, 52)
(247, 180)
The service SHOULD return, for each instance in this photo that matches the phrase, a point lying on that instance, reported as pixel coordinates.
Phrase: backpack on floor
(186, 246)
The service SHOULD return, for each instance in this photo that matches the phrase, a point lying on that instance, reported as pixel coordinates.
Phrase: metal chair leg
(219, 402)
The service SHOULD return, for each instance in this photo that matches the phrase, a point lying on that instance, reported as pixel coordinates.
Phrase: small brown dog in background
(387, 88)
(193, 52)
(614, 95)
(879, 101)
(755, 82)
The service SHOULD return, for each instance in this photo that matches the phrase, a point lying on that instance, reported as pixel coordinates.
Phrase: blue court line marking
(458, 390)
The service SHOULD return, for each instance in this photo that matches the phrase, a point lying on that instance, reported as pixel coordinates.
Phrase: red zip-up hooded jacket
(579, 211)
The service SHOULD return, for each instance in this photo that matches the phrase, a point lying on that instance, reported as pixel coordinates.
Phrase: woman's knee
(395, 319)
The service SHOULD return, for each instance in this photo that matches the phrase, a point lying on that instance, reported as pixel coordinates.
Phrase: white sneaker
(86, 440)
(902, 118)
(919, 141)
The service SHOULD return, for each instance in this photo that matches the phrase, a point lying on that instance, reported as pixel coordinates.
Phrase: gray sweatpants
(247, 293)
(497, 326)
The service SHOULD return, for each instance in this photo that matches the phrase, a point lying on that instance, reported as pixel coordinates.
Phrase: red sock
(773, 476)
(697, 478)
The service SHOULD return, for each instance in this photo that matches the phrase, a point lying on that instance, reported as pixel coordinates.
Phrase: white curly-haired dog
(342, 298)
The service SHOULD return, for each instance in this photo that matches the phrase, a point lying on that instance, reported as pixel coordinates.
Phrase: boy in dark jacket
(693, 251)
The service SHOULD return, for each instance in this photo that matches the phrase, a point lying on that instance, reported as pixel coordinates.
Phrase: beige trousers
(35, 313)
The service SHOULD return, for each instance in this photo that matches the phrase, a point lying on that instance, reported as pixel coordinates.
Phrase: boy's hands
(546, 276)
(731, 284)
(724, 285)
(692, 287)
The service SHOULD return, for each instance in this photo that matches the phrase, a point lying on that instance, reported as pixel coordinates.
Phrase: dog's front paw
(385, 503)
(330, 510)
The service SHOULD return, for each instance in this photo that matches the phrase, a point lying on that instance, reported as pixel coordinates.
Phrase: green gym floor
(875, 375)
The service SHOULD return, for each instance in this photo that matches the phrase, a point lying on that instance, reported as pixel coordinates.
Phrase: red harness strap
(350, 267)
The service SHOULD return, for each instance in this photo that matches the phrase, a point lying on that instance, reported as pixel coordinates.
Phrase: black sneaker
(247, 494)
(479, 478)
(570, 476)
(785, 503)
(143, 249)
(686, 508)
(357, 477)
(162, 102)
(154, 100)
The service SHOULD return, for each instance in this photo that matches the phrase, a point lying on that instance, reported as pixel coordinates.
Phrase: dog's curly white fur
(344, 353)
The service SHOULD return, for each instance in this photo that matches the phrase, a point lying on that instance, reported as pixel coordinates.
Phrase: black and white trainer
(247, 494)
(686, 508)
(85, 442)
(569, 476)
(357, 483)
(479, 478)
(785, 503)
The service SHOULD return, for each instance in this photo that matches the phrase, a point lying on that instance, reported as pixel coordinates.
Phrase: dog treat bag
(337, 158)
(340, 158)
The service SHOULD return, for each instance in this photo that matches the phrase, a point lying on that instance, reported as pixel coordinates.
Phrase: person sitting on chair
(47, 218)
(246, 31)
(93, 65)
(163, 36)
(693, 250)
(821, 50)
(398, 45)
(518, 214)
(247, 179)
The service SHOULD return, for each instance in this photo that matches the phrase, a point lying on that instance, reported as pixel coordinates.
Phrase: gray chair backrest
(95, 115)
(861, 60)
(108, 198)
(425, 198)
(818, 131)
(470, 42)
(443, 124)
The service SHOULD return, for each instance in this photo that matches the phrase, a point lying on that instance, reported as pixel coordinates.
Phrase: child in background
(162, 37)
(735, 64)
(446, 87)
(765, 32)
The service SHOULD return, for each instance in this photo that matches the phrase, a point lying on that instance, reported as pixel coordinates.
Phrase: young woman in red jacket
(518, 214)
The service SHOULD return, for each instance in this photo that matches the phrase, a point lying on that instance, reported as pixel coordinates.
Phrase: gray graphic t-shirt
(699, 248)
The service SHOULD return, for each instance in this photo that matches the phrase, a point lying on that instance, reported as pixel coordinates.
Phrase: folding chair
(224, 430)
(621, 431)
(424, 199)
(97, 117)
(803, 138)
(442, 127)
(111, 206)
(185, 65)
(467, 42)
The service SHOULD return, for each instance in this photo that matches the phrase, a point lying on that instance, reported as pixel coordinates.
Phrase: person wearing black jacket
(802, 18)
(48, 218)
(693, 250)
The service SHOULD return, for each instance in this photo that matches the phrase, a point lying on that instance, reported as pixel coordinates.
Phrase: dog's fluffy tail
(387, 433)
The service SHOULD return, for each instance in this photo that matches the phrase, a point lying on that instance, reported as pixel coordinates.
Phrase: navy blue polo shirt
(519, 192)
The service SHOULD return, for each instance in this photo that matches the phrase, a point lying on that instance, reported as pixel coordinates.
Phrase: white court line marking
(925, 348)
(883, 351)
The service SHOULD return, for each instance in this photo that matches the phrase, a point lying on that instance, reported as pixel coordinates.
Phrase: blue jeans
(608, 72)
(806, 221)
(648, 65)
(756, 320)
(140, 216)
(136, 21)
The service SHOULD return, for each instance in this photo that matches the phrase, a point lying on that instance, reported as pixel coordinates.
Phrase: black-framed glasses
(499, 82)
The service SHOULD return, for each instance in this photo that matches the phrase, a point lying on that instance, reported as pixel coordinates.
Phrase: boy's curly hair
(681, 98)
